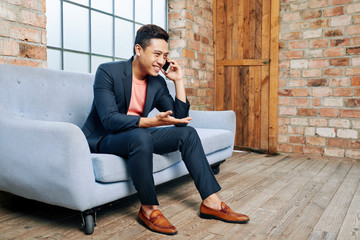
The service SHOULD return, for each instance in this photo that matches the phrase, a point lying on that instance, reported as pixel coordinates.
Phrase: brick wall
(23, 32)
(191, 44)
(319, 83)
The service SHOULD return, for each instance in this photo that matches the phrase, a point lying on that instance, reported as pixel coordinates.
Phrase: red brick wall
(191, 44)
(23, 32)
(319, 83)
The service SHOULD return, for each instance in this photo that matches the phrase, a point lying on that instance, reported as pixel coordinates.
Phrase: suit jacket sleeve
(105, 101)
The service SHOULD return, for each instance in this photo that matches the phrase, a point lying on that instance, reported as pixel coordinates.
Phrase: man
(124, 94)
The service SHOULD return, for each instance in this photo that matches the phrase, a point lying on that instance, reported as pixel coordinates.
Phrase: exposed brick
(313, 33)
(339, 82)
(316, 102)
(318, 63)
(285, 92)
(24, 62)
(357, 92)
(334, 52)
(300, 102)
(340, 21)
(293, 54)
(313, 150)
(301, 92)
(297, 139)
(335, 11)
(307, 112)
(353, 51)
(33, 18)
(349, 113)
(353, 8)
(352, 154)
(310, 131)
(334, 152)
(334, 33)
(356, 19)
(298, 44)
(312, 14)
(287, 111)
(333, 102)
(336, 142)
(9, 47)
(316, 141)
(340, 123)
(347, 133)
(285, 148)
(333, 72)
(326, 132)
(353, 29)
(340, 42)
(319, 23)
(328, 112)
(319, 43)
(318, 122)
(352, 102)
(353, 71)
(321, 92)
(355, 81)
(339, 62)
(343, 92)
(296, 130)
(318, 3)
(317, 82)
(355, 144)
(340, 2)
(32, 51)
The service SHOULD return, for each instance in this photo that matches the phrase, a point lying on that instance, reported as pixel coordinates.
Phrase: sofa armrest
(45, 161)
(213, 119)
(225, 120)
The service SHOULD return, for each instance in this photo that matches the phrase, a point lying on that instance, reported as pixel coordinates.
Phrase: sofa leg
(89, 221)
(216, 167)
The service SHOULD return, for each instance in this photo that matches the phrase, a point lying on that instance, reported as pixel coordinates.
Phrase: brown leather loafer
(157, 222)
(224, 214)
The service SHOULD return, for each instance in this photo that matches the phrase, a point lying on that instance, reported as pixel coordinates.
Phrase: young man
(124, 94)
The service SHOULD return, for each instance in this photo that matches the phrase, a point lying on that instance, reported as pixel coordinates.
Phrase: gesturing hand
(164, 118)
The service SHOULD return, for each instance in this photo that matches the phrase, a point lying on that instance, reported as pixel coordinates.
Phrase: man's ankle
(148, 209)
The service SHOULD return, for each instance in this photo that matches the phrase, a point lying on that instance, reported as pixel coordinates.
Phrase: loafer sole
(208, 216)
(142, 223)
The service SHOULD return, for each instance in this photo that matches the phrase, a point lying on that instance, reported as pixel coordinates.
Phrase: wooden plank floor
(286, 197)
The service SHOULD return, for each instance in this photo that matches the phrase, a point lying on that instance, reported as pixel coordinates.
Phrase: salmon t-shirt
(138, 96)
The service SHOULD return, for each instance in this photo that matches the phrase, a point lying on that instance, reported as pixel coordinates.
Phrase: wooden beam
(243, 62)
(274, 77)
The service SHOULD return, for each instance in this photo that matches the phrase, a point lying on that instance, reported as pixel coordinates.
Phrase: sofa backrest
(44, 94)
(49, 95)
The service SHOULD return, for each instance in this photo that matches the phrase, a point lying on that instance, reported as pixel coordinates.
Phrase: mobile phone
(166, 67)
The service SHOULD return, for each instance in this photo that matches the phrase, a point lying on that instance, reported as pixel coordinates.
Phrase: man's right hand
(162, 119)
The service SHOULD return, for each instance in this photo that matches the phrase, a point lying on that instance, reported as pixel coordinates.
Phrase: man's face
(153, 57)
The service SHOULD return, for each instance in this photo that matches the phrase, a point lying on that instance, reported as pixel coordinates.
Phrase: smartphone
(166, 67)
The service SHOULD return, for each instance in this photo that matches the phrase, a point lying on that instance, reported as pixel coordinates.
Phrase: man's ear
(138, 49)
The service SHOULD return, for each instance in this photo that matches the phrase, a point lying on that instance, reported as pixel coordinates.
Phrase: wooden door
(246, 63)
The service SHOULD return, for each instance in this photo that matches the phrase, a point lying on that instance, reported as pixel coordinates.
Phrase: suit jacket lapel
(127, 81)
(150, 94)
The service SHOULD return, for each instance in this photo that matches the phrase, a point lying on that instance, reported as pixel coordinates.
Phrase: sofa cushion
(111, 168)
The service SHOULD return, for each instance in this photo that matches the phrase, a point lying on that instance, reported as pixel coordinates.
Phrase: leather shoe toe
(157, 222)
(224, 214)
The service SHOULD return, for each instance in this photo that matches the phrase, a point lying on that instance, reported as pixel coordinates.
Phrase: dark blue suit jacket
(112, 93)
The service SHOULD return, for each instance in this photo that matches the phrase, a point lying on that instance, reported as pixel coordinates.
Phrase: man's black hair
(148, 32)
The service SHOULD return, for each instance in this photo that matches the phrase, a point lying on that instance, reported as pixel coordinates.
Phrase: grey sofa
(44, 155)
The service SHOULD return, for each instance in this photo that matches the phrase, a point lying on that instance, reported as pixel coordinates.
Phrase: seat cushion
(111, 168)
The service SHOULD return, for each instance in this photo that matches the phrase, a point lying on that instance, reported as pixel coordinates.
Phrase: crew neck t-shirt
(138, 97)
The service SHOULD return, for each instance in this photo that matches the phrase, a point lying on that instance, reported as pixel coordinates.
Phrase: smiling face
(153, 57)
